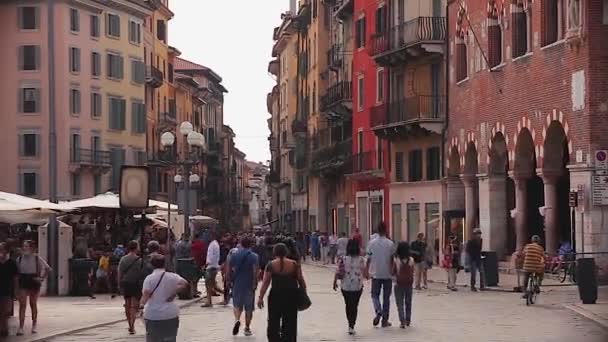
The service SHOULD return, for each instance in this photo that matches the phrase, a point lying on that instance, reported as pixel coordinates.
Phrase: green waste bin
(586, 280)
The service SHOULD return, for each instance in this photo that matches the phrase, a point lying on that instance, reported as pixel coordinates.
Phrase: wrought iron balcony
(413, 39)
(335, 56)
(332, 161)
(344, 8)
(154, 77)
(425, 111)
(94, 160)
(337, 102)
(366, 165)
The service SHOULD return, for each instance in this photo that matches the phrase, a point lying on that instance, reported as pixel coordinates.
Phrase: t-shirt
(380, 252)
(353, 273)
(198, 250)
(342, 244)
(8, 272)
(183, 250)
(213, 255)
(157, 308)
(26, 264)
(242, 263)
(132, 268)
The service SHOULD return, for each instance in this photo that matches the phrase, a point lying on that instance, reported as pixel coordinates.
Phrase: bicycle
(567, 269)
(532, 289)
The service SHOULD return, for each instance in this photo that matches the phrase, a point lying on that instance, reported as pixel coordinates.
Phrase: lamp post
(192, 139)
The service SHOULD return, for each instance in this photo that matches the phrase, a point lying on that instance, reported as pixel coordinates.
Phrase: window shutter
(20, 147)
(111, 114)
(121, 66)
(71, 59)
(37, 57)
(399, 166)
(19, 17)
(117, 23)
(20, 99)
(77, 93)
(77, 52)
(37, 100)
(21, 60)
(123, 113)
(133, 117)
(138, 33)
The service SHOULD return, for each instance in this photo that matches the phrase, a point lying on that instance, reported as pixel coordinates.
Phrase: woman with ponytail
(284, 276)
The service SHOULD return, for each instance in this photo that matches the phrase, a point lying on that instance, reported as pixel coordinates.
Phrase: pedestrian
(451, 261)
(418, 251)
(8, 281)
(161, 313)
(333, 248)
(131, 272)
(403, 268)
(33, 270)
(185, 265)
(315, 246)
(379, 267)
(260, 250)
(242, 274)
(103, 273)
(324, 242)
(212, 268)
(351, 268)
(285, 277)
(473, 251)
(224, 266)
(342, 244)
(199, 250)
(357, 237)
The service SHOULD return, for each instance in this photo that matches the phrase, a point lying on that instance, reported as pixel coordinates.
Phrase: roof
(184, 65)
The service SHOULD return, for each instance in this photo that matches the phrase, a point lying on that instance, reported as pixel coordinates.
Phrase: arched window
(495, 36)
(521, 17)
(461, 46)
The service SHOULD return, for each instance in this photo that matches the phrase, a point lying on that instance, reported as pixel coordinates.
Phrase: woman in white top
(161, 313)
(350, 273)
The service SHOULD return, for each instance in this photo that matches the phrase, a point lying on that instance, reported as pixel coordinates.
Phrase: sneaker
(425, 287)
(34, 330)
(407, 323)
(386, 324)
(351, 331)
(418, 288)
(248, 332)
(377, 320)
(402, 325)
(236, 328)
(473, 289)
(454, 289)
(20, 332)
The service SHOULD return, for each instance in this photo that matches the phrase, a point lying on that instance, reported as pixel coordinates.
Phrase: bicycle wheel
(573, 273)
(530, 291)
(563, 273)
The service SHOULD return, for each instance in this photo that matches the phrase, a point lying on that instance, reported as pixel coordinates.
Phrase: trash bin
(586, 280)
(489, 260)
(187, 269)
(79, 276)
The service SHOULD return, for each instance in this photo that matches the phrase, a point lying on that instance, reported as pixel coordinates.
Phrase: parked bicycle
(567, 270)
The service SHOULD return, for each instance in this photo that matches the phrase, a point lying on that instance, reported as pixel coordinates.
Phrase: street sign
(601, 159)
(600, 190)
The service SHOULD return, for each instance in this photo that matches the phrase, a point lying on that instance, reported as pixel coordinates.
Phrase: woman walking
(161, 313)
(403, 268)
(130, 276)
(32, 272)
(451, 261)
(285, 277)
(350, 272)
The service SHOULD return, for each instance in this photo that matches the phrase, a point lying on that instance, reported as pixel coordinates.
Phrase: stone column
(521, 210)
(493, 212)
(471, 203)
(551, 215)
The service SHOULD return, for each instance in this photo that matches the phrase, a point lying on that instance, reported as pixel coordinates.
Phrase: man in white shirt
(380, 253)
(212, 268)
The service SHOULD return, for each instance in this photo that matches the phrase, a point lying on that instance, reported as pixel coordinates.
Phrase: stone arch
(471, 164)
(555, 147)
(525, 154)
(499, 159)
(454, 162)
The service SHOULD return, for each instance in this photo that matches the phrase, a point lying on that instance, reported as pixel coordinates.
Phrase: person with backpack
(403, 269)
(351, 268)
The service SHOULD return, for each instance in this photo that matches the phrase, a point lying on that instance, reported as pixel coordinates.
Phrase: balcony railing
(365, 162)
(335, 56)
(344, 8)
(408, 110)
(409, 33)
(341, 91)
(90, 157)
(154, 77)
(332, 159)
(299, 126)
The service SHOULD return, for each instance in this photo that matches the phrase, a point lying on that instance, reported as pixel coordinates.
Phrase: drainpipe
(53, 232)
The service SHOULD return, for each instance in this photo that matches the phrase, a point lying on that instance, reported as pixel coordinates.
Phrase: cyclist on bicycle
(534, 261)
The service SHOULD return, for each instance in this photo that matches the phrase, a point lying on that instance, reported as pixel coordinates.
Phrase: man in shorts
(242, 273)
(213, 267)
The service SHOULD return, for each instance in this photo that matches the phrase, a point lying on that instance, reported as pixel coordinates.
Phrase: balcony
(337, 102)
(95, 161)
(408, 115)
(412, 40)
(332, 161)
(365, 166)
(299, 126)
(274, 177)
(335, 57)
(343, 8)
(154, 77)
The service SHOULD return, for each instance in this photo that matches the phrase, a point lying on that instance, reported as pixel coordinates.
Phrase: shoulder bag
(302, 300)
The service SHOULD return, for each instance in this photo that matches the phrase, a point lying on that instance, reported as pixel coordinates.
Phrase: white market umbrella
(19, 202)
(102, 201)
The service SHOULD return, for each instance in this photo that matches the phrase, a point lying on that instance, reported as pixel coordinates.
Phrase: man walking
(473, 250)
(379, 265)
(213, 266)
(242, 273)
(342, 243)
(418, 249)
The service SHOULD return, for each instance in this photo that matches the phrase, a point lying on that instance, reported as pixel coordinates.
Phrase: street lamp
(193, 139)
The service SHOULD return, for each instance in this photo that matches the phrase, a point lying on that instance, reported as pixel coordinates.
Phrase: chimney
(292, 7)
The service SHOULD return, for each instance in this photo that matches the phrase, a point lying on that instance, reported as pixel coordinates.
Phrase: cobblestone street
(437, 316)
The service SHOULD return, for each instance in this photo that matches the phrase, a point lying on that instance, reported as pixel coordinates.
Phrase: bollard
(586, 280)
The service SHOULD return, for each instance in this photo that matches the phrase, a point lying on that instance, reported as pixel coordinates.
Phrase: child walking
(403, 269)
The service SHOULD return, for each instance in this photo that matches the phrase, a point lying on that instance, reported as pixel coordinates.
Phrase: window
(113, 25)
(134, 32)
(381, 20)
(75, 101)
(433, 163)
(75, 184)
(415, 166)
(161, 31)
(360, 93)
(28, 18)
(29, 145)
(170, 73)
(399, 171)
(74, 20)
(138, 116)
(95, 26)
(29, 100)
(95, 64)
(97, 184)
(379, 153)
(115, 66)
(117, 114)
(118, 157)
(29, 57)
(461, 57)
(360, 33)
(95, 105)
(138, 72)
(29, 184)
(74, 60)
(520, 17)
(380, 85)
(495, 42)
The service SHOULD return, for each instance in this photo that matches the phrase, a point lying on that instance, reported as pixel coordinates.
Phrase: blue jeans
(477, 266)
(384, 285)
(403, 297)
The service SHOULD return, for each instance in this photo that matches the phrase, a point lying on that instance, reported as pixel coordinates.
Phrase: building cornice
(136, 8)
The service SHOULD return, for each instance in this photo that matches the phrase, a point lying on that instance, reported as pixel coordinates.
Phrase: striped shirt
(534, 258)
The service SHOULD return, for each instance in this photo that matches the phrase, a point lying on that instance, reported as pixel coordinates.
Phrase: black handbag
(303, 301)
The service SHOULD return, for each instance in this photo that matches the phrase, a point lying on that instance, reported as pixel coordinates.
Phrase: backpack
(405, 273)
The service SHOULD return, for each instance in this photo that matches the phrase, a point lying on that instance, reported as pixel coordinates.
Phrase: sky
(234, 38)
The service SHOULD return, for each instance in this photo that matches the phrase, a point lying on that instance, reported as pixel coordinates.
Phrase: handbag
(341, 272)
(302, 300)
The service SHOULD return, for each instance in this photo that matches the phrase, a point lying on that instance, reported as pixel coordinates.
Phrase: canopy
(110, 200)
(15, 209)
